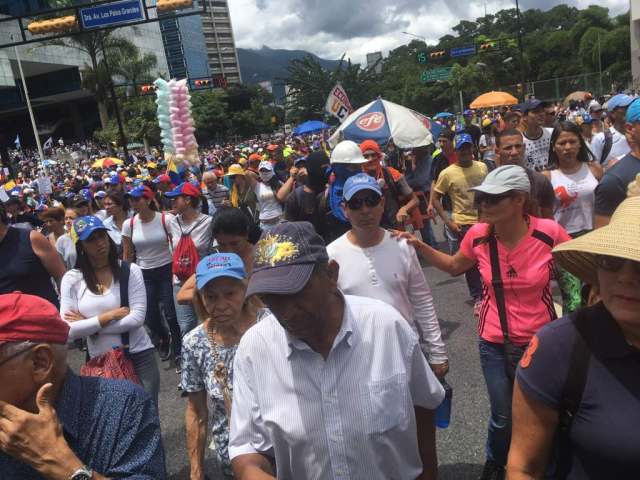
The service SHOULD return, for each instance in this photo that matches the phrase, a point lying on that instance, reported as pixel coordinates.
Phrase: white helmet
(347, 152)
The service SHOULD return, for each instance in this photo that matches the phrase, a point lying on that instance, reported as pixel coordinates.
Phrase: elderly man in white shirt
(374, 264)
(329, 386)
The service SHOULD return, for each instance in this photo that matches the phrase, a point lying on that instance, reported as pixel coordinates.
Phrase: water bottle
(443, 412)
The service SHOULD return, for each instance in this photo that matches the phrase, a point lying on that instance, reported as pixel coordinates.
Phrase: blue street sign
(111, 14)
(463, 51)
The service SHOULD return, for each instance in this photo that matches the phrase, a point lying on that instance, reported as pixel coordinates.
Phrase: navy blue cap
(462, 139)
(114, 179)
(467, 113)
(531, 104)
(83, 227)
(219, 265)
(285, 257)
(358, 182)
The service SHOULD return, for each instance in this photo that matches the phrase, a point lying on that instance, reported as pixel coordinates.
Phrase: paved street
(460, 447)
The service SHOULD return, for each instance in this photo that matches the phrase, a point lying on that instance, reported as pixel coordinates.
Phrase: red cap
(164, 178)
(272, 147)
(30, 318)
(370, 145)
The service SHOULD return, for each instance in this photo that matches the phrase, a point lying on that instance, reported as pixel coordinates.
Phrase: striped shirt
(215, 198)
(348, 417)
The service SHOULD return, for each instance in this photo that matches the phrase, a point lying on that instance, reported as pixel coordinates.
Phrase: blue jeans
(427, 234)
(159, 284)
(187, 318)
(500, 390)
(472, 276)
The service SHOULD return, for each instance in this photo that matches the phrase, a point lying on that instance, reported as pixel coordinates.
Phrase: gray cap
(504, 179)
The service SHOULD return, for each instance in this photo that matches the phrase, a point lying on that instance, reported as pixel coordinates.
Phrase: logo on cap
(274, 249)
(371, 122)
(81, 226)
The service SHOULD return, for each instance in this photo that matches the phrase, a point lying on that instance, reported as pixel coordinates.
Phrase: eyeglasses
(614, 264)
(370, 201)
(489, 199)
(15, 354)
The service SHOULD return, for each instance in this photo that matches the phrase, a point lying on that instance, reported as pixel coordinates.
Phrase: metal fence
(558, 88)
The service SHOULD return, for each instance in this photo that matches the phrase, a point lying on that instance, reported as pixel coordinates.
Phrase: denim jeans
(427, 234)
(146, 367)
(159, 284)
(472, 276)
(187, 319)
(500, 390)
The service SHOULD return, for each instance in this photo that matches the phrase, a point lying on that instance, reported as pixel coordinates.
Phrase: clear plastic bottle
(443, 412)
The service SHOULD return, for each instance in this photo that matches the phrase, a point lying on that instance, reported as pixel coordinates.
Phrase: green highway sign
(435, 74)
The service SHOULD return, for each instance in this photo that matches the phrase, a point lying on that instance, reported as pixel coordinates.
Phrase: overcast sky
(330, 28)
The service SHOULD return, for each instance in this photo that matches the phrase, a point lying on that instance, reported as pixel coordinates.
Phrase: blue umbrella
(310, 127)
(440, 115)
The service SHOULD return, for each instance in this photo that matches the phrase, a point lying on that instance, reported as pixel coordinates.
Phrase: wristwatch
(83, 473)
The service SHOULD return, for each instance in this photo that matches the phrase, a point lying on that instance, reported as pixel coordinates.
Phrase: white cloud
(330, 28)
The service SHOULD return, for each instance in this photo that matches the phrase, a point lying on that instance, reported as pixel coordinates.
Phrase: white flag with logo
(338, 103)
(48, 143)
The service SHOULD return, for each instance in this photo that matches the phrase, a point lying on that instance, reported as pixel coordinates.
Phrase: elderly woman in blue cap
(208, 352)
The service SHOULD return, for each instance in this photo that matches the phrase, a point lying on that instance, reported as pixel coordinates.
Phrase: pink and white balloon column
(184, 141)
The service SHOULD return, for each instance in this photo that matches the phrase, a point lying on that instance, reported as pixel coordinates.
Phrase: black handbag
(512, 353)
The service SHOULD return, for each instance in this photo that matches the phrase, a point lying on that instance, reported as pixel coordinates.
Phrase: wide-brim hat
(621, 238)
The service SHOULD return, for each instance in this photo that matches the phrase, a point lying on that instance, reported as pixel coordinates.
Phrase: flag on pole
(172, 171)
(17, 142)
(48, 143)
(338, 103)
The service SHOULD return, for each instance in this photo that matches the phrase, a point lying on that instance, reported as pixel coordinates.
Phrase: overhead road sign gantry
(463, 51)
(60, 22)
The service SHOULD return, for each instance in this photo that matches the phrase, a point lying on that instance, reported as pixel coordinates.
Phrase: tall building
(221, 47)
(185, 49)
(635, 42)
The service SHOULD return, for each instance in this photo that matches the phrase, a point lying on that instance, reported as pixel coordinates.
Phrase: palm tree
(133, 68)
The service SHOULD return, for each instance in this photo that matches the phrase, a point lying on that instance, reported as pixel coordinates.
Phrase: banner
(48, 143)
(338, 103)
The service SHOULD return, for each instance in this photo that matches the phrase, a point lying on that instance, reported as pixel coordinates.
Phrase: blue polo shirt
(112, 426)
(605, 433)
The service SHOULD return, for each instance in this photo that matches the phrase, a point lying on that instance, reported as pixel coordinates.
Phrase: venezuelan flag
(172, 171)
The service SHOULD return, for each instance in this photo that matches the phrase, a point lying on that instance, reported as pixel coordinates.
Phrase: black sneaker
(164, 349)
(492, 471)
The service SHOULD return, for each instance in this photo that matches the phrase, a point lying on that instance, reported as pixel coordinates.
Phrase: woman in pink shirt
(513, 253)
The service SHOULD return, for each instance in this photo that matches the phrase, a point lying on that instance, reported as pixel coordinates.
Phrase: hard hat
(347, 152)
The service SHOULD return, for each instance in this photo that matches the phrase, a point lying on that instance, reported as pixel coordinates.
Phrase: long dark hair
(584, 155)
(119, 199)
(83, 264)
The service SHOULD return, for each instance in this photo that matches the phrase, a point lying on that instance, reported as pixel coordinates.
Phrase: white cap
(347, 152)
(504, 179)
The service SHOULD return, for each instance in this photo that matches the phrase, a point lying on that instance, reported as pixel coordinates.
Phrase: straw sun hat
(621, 238)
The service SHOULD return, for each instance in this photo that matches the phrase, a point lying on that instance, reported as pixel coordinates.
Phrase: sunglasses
(490, 200)
(16, 354)
(614, 264)
(370, 201)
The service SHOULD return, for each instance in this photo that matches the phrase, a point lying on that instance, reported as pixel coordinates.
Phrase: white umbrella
(381, 121)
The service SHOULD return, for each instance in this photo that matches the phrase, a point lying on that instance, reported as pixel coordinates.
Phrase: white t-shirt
(488, 141)
(75, 296)
(268, 205)
(536, 155)
(574, 198)
(67, 250)
(150, 240)
(619, 146)
(200, 231)
(391, 272)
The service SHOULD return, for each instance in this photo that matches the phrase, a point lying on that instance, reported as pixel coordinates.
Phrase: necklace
(220, 371)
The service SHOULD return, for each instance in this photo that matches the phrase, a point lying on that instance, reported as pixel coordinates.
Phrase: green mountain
(267, 64)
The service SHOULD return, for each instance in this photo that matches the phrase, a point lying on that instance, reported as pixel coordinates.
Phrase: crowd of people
(284, 282)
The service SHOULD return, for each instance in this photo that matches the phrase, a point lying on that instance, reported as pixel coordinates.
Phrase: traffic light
(436, 55)
(53, 25)
(147, 89)
(168, 5)
(487, 46)
(202, 83)
(520, 88)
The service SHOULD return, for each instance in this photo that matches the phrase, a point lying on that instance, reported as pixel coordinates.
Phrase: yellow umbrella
(106, 162)
(494, 99)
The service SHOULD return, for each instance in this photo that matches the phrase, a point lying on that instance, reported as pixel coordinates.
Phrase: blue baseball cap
(219, 265)
(141, 191)
(531, 104)
(467, 113)
(114, 179)
(462, 139)
(186, 188)
(101, 194)
(586, 118)
(619, 101)
(359, 182)
(83, 227)
(633, 111)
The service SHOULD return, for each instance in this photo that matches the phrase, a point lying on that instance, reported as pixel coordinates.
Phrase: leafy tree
(209, 114)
